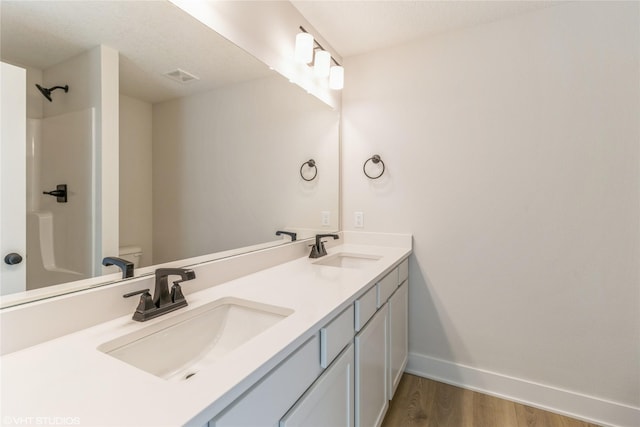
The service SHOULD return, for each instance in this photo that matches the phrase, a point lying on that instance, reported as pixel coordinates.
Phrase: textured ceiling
(153, 37)
(355, 27)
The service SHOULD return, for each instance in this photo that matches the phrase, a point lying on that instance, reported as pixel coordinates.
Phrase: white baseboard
(575, 405)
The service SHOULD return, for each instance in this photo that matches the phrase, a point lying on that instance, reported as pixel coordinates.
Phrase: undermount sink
(348, 260)
(177, 348)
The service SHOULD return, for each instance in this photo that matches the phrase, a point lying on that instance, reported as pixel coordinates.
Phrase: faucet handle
(134, 293)
(176, 292)
(146, 301)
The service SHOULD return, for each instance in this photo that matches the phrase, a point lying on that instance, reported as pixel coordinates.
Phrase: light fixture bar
(318, 45)
(306, 46)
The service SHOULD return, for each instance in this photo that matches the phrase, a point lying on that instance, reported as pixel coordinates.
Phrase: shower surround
(59, 235)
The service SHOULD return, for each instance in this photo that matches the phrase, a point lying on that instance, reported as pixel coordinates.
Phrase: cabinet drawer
(387, 286)
(335, 336)
(365, 306)
(403, 271)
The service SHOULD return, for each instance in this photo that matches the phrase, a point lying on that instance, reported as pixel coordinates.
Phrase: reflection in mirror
(210, 141)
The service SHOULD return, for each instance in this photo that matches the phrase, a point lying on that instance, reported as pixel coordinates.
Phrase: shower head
(47, 92)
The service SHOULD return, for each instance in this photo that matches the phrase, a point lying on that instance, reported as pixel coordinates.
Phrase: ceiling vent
(181, 76)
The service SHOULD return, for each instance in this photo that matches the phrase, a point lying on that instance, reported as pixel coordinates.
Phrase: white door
(13, 137)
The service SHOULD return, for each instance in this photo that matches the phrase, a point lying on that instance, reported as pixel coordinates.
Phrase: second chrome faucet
(163, 300)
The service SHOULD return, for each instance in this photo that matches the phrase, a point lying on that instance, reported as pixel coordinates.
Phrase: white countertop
(70, 379)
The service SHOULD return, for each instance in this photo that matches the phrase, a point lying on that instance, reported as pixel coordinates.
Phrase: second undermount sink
(177, 348)
(348, 260)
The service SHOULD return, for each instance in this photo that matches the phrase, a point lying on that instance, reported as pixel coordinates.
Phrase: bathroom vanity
(305, 342)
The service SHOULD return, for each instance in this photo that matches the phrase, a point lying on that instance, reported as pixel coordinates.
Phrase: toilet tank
(131, 254)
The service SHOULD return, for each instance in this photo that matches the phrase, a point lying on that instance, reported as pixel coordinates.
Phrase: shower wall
(34, 158)
(65, 137)
(59, 235)
(35, 105)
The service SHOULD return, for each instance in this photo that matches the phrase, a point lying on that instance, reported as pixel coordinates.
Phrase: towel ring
(312, 164)
(375, 159)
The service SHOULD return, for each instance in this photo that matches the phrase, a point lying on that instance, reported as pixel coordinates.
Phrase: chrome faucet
(318, 250)
(163, 300)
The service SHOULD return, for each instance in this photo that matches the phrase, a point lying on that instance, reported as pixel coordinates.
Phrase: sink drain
(186, 377)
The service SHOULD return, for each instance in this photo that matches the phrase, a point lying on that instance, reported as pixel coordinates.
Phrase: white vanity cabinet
(329, 402)
(381, 346)
(327, 396)
(273, 395)
(335, 379)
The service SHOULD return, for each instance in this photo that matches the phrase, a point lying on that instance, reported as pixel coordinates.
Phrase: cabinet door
(398, 336)
(271, 397)
(329, 402)
(372, 371)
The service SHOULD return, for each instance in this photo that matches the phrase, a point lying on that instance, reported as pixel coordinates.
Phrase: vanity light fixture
(336, 77)
(304, 47)
(322, 63)
(309, 51)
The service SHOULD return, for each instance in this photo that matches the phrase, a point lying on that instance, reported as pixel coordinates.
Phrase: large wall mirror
(212, 144)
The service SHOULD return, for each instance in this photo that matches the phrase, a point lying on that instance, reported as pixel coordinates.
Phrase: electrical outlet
(358, 219)
(326, 218)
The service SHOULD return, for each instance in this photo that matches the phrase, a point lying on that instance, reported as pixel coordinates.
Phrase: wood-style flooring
(421, 402)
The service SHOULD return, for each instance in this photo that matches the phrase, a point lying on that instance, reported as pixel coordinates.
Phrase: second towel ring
(375, 159)
(312, 164)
